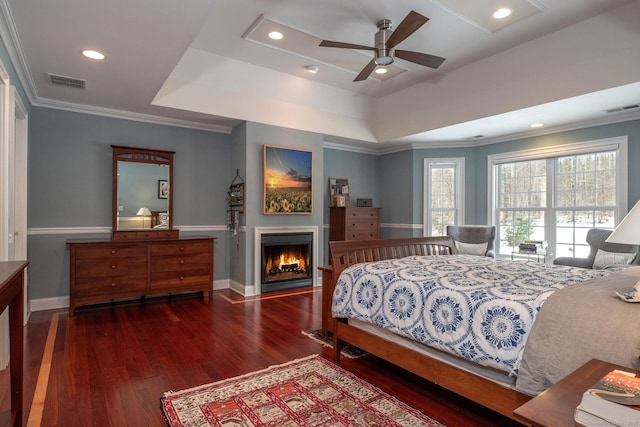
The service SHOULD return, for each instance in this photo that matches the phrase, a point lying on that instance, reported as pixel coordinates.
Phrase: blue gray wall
(70, 186)
(70, 183)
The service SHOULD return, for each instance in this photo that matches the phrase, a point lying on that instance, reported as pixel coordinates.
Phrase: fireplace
(287, 261)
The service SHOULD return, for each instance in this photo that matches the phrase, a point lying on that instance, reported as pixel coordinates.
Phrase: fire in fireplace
(286, 261)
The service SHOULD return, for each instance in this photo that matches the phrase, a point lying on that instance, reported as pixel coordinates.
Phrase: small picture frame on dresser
(339, 192)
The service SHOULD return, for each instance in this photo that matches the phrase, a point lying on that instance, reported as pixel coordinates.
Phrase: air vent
(67, 81)
(626, 108)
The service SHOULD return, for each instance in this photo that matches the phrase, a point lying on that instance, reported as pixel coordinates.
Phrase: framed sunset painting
(287, 180)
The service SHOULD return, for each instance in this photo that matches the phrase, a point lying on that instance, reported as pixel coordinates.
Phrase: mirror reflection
(143, 196)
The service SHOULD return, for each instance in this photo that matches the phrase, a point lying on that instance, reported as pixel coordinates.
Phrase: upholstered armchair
(610, 253)
(473, 239)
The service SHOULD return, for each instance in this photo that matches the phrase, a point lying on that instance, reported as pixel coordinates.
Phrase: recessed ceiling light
(537, 125)
(502, 13)
(312, 68)
(93, 54)
(381, 70)
(275, 35)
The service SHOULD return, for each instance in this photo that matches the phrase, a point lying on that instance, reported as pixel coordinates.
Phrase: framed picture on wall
(163, 189)
(339, 192)
(288, 183)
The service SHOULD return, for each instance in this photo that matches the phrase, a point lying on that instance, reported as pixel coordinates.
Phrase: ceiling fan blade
(329, 43)
(408, 26)
(425, 59)
(366, 71)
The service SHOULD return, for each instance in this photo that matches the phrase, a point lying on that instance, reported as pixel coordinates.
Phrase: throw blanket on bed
(477, 308)
(582, 322)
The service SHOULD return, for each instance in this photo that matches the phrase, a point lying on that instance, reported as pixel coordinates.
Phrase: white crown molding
(128, 115)
(9, 35)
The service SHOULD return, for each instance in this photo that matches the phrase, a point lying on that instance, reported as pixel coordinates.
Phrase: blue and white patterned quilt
(477, 308)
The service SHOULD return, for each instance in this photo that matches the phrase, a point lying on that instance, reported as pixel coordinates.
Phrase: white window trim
(619, 143)
(426, 213)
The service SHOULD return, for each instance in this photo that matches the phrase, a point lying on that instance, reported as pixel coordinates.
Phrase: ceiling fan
(385, 42)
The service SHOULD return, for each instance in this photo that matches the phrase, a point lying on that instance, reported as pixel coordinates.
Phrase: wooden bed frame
(345, 253)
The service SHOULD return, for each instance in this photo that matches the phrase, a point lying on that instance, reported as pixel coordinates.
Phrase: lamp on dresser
(144, 212)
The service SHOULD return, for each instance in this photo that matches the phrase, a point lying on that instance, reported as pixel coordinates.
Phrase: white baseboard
(42, 304)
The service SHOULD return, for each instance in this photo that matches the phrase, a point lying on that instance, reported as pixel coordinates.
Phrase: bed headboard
(348, 252)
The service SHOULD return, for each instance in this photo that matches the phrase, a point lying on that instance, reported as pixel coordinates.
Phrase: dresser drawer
(115, 251)
(362, 213)
(184, 263)
(362, 235)
(180, 280)
(361, 225)
(110, 286)
(110, 267)
(180, 248)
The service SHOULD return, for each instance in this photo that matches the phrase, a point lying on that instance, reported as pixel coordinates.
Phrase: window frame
(618, 144)
(459, 165)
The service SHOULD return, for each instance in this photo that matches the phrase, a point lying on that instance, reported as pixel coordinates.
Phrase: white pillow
(163, 218)
(471, 248)
(605, 259)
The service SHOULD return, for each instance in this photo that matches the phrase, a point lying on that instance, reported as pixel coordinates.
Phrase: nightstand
(554, 407)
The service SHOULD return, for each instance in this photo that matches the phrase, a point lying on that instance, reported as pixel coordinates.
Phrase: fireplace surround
(285, 258)
(286, 261)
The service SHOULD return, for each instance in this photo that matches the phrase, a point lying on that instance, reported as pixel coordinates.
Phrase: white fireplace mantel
(257, 254)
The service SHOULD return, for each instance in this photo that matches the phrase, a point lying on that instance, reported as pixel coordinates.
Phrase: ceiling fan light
(384, 60)
(275, 35)
(381, 70)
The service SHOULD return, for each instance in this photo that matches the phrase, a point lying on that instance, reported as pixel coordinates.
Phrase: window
(444, 193)
(555, 195)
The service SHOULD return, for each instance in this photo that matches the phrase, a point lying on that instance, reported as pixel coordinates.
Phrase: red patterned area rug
(305, 392)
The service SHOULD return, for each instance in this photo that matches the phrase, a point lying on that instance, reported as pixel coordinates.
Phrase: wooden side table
(555, 406)
(12, 296)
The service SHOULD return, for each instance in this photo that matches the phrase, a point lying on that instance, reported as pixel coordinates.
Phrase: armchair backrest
(596, 239)
(474, 234)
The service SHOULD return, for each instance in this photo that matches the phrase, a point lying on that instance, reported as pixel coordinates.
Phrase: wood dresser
(350, 223)
(106, 270)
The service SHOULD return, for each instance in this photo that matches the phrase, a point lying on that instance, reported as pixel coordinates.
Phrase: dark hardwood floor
(109, 365)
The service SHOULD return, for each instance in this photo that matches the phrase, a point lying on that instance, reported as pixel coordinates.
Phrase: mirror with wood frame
(142, 203)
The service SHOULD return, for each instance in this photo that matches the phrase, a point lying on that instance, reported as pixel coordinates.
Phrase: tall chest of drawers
(106, 270)
(352, 223)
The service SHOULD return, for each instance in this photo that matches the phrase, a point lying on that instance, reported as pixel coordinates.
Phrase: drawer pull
(113, 251)
(181, 277)
(113, 266)
(181, 248)
(181, 261)
(113, 285)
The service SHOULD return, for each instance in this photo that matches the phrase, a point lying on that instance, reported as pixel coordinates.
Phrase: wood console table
(12, 296)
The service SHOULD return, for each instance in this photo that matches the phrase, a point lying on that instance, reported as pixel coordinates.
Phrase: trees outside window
(444, 195)
(557, 195)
